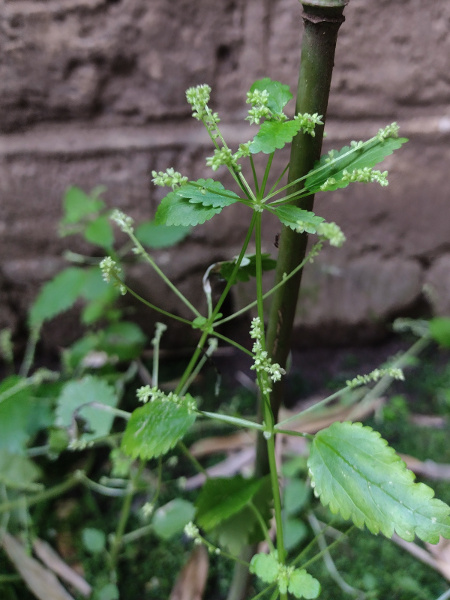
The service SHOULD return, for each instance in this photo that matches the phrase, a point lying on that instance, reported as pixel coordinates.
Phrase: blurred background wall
(92, 93)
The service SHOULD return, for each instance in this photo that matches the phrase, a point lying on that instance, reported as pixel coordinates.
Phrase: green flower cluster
(169, 178)
(262, 362)
(376, 375)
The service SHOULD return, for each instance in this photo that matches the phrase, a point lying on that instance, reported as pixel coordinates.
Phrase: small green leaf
(356, 473)
(57, 296)
(247, 268)
(100, 232)
(124, 340)
(265, 566)
(170, 519)
(160, 236)
(94, 540)
(78, 205)
(221, 498)
(440, 331)
(350, 158)
(274, 135)
(303, 585)
(298, 219)
(81, 392)
(208, 193)
(279, 93)
(156, 427)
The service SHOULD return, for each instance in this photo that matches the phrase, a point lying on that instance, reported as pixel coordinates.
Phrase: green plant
(351, 468)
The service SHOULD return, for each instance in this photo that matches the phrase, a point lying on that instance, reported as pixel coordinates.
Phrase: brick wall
(93, 93)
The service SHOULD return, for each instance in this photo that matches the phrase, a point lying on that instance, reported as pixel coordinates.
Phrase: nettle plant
(351, 469)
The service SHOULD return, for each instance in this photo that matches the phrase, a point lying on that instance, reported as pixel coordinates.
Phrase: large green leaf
(223, 497)
(157, 426)
(274, 135)
(160, 236)
(350, 158)
(356, 473)
(58, 295)
(279, 93)
(77, 393)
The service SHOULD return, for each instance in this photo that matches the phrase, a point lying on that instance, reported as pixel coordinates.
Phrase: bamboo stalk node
(325, 3)
(316, 19)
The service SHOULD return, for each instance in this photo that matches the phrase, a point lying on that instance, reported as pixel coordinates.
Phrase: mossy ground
(148, 567)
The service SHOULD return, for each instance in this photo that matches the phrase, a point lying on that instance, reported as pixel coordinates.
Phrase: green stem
(237, 421)
(162, 275)
(266, 174)
(255, 178)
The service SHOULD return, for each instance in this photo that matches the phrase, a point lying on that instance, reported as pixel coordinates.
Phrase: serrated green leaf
(57, 296)
(247, 268)
(156, 427)
(279, 93)
(160, 236)
(303, 585)
(18, 472)
(221, 498)
(297, 218)
(81, 392)
(78, 205)
(350, 159)
(16, 410)
(100, 232)
(170, 519)
(124, 340)
(265, 566)
(207, 192)
(356, 473)
(274, 135)
(440, 330)
(174, 210)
